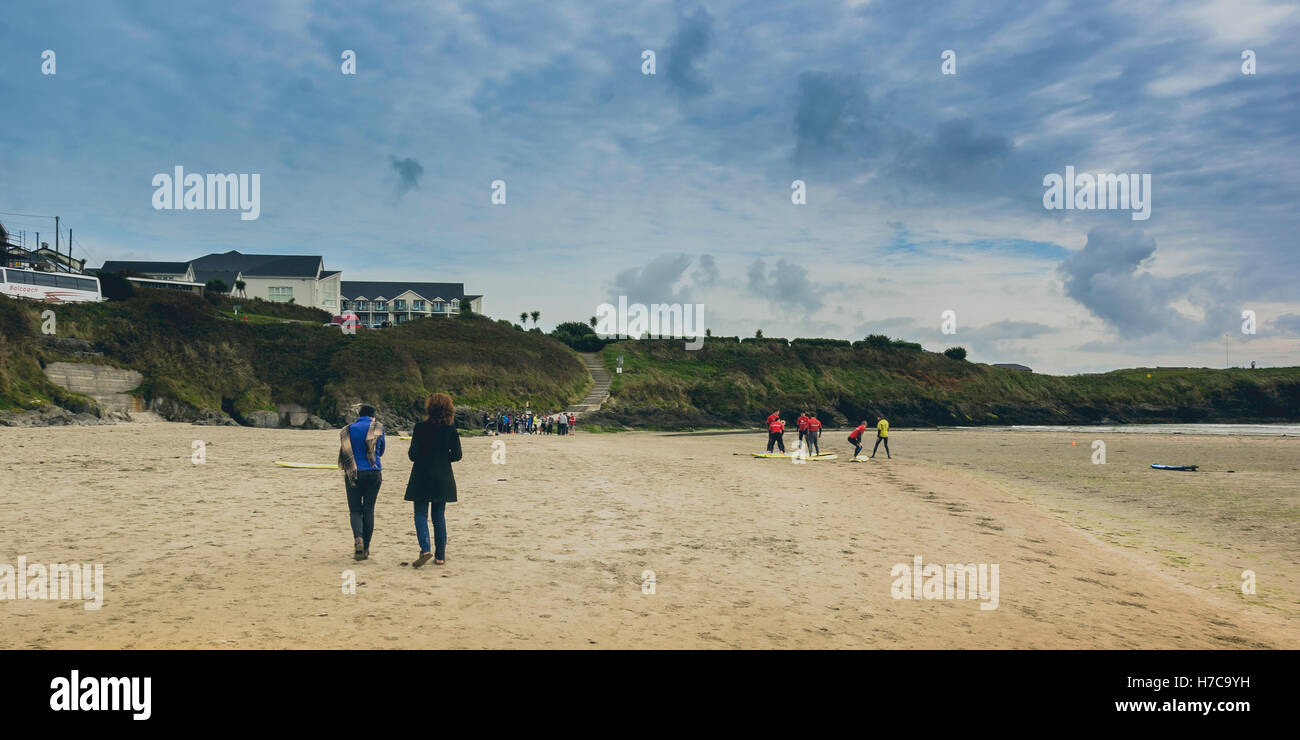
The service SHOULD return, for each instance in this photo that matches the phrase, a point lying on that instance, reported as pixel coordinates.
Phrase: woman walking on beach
(361, 444)
(435, 445)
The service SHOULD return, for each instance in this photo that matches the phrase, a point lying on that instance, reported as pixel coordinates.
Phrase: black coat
(434, 447)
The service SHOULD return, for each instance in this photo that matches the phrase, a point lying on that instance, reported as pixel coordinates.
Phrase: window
(343, 305)
(417, 305)
(455, 304)
(281, 294)
(381, 306)
(437, 306)
(399, 305)
(361, 305)
(75, 283)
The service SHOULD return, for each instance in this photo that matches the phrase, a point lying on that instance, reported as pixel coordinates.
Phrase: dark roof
(260, 265)
(390, 289)
(329, 273)
(157, 268)
(229, 278)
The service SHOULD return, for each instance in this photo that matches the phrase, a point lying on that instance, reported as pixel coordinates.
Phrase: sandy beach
(551, 548)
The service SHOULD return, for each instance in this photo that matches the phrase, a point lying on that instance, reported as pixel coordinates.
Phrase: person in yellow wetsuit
(882, 435)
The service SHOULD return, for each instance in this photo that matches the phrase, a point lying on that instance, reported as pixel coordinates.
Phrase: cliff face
(199, 364)
(739, 384)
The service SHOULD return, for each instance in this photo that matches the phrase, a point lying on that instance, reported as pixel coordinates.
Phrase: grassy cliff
(734, 383)
(198, 361)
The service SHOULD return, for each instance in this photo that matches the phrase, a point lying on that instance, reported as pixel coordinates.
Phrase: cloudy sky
(924, 190)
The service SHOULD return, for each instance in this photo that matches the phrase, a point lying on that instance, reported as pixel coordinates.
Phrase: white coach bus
(53, 287)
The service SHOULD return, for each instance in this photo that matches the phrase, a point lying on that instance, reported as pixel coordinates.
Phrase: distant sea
(1252, 430)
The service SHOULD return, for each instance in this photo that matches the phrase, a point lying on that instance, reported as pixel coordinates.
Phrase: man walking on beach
(882, 435)
(361, 444)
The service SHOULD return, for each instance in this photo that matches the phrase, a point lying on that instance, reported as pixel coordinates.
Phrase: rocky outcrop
(262, 419)
(55, 416)
(315, 422)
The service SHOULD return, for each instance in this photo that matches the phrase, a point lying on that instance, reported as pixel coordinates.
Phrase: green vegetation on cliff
(730, 383)
(195, 357)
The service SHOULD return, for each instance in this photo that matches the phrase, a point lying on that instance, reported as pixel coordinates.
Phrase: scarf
(347, 463)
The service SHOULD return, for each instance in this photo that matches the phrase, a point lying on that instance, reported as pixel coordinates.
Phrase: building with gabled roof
(394, 302)
(304, 280)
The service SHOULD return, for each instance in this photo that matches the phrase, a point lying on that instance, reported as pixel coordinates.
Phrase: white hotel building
(396, 302)
(304, 280)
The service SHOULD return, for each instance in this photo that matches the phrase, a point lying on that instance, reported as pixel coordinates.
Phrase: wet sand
(551, 548)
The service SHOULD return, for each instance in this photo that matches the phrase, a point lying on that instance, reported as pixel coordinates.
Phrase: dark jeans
(776, 438)
(810, 442)
(438, 510)
(361, 503)
(878, 441)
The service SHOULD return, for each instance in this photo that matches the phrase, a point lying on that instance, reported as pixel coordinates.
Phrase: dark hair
(366, 410)
(440, 409)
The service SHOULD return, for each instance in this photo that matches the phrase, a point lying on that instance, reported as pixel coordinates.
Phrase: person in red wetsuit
(802, 424)
(813, 433)
(775, 434)
(573, 424)
(855, 438)
(774, 416)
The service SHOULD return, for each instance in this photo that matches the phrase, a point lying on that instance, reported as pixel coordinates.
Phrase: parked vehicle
(52, 287)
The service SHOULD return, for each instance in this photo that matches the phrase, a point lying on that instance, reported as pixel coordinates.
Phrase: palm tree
(536, 315)
(592, 321)
(523, 318)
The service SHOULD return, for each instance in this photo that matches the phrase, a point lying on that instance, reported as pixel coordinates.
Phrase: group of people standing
(528, 422)
(810, 432)
(435, 445)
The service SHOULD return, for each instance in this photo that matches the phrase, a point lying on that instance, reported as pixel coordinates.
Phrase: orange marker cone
(1074, 444)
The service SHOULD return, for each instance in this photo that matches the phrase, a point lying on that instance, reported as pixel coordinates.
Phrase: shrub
(820, 342)
(115, 287)
(956, 353)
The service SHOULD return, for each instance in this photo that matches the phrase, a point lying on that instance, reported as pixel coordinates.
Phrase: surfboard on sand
(313, 466)
(823, 456)
(1174, 467)
(771, 454)
(859, 459)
